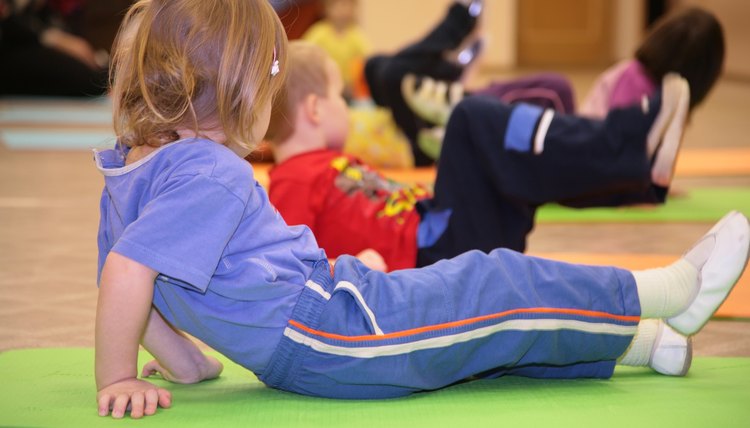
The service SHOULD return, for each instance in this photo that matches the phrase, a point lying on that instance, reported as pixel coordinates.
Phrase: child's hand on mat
(138, 396)
(210, 368)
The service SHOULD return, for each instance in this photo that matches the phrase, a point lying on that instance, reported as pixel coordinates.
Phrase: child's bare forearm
(125, 295)
(178, 359)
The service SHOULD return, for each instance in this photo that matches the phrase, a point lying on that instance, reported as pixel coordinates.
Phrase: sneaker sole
(433, 101)
(719, 274)
(656, 362)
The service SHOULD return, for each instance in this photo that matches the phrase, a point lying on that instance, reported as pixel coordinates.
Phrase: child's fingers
(165, 398)
(372, 259)
(137, 397)
(152, 402)
(104, 401)
(137, 405)
(151, 368)
(120, 406)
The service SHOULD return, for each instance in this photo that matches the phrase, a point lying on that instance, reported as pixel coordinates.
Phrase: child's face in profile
(341, 12)
(334, 111)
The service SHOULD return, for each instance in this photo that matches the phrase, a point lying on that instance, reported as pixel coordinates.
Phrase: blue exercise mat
(56, 123)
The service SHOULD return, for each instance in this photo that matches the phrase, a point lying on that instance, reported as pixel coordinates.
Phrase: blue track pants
(368, 334)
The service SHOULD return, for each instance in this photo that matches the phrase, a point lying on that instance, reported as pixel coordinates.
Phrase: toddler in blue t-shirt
(188, 242)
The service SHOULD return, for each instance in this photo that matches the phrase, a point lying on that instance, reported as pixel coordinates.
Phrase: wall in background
(734, 16)
(392, 23)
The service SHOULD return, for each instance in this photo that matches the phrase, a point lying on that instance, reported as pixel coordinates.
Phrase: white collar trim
(114, 172)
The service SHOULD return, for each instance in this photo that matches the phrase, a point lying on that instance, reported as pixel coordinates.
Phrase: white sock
(639, 351)
(665, 292)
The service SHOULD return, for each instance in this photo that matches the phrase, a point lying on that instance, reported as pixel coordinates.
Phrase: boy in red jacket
(498, 164)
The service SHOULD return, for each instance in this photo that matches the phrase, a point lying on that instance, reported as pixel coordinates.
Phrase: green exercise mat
(55, 388)
(700, 204)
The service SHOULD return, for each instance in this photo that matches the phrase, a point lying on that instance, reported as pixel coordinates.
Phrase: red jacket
(349, 206)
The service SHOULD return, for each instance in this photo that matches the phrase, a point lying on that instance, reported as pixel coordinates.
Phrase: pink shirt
(621, 85)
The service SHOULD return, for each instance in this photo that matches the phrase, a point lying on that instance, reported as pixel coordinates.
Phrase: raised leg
(425, 57)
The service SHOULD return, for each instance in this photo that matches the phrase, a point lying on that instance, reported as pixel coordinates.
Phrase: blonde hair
(195, 64)
(306, 74)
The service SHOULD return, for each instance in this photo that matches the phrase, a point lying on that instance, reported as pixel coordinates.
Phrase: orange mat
(693, 162)
(713, 162)
(736, 306)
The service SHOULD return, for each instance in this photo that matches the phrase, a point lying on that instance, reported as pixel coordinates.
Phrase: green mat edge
(701, 204)
(634, 397)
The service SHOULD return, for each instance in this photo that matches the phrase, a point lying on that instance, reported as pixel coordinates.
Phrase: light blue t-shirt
(230, 269)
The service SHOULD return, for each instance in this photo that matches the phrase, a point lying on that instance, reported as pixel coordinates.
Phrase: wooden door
(564, 32)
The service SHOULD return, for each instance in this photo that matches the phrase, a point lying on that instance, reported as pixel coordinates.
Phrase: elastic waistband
(288, 355)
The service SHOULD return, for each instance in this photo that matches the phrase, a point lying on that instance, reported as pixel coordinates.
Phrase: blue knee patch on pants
(521, 127)
(432, 227)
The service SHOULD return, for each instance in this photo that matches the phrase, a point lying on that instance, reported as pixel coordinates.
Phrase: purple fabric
(547, 90)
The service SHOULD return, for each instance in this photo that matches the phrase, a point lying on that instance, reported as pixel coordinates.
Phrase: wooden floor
(49, 217)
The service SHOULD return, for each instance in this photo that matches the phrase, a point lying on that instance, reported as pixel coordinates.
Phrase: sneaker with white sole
(720, 256)
(665, 137)
(672, 353)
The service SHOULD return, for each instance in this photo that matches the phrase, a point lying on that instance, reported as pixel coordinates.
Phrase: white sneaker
(665, 137)
(672, 353)
(720, 257)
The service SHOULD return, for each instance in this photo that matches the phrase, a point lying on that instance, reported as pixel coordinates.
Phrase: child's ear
(310, 108)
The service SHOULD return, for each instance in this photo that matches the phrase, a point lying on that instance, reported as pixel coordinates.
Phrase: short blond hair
(192, 64)
(306, 74)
